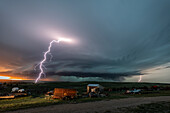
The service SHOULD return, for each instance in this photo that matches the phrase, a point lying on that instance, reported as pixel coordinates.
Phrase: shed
(94, 88)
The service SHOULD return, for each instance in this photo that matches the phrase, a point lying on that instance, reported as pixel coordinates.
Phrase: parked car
(135, 91)
(21, 90)
(15, 89)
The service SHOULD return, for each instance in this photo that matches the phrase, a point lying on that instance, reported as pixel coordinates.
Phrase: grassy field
(24, 102)
(37, 97)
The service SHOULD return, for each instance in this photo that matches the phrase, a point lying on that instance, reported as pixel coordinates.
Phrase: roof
(93, 85)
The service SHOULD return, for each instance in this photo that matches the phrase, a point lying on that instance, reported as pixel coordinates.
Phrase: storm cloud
(114, 38)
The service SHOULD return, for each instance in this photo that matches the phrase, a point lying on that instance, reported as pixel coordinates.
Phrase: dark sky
(114, 39)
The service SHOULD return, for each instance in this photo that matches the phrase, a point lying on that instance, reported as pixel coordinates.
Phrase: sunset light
(4, 77)
(9, 78)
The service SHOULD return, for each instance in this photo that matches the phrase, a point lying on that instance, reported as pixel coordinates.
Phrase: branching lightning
(41, 66)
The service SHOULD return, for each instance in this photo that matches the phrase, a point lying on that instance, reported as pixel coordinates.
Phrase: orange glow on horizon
(7, 77)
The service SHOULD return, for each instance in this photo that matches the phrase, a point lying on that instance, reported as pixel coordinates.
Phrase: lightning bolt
(41, 66)
(140, 78)
(45, 58)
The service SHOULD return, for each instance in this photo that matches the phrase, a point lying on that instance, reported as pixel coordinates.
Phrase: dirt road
(92, 107)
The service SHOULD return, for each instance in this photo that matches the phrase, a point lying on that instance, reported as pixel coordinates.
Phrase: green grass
(25, 102)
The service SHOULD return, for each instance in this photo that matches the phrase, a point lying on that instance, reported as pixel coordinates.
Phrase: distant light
(15, 79)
